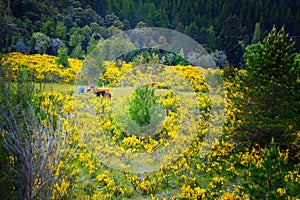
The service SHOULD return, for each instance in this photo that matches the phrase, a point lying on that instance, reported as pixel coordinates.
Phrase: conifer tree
(62, 58)
(272, 105)
(265, 177)
(256, 34)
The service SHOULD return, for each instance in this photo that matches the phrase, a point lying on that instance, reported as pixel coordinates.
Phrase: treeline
(43, 26)
(182, 14)
(54, 27)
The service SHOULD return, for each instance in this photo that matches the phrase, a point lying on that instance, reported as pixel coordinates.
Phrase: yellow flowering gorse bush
(195, 174)
(44, 67)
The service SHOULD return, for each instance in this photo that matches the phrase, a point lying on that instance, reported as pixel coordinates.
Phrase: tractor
(99, 91)
(104, 92)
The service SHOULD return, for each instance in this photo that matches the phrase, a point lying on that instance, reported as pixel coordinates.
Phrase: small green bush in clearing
(140, 104)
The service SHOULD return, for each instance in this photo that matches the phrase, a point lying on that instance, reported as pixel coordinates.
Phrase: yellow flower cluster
(112, 73)
(109, 186)
(194, 75)
(61, 188)
(192, 193)
(44, 67)
(132, 142)
(105, 180)
(293, 176)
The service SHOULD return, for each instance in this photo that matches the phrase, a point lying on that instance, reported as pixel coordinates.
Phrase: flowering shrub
(44, 67)
(221, 173)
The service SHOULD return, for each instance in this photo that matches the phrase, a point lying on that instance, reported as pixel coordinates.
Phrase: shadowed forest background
(30, 26)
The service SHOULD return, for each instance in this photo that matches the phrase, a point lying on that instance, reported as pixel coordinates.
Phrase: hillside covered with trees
(74, 27)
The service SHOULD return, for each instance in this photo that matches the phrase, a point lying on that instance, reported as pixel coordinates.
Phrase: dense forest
(44, 26)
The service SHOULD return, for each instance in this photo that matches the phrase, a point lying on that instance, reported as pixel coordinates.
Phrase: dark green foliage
(7, 31)
(211, 40)
(272, 106)
(195, 18)
(61, 31)
(77, 52)
(193, 31)
(48, 28)
(142, 56)
(233, 40)
(265, 177)
(256, 35)
(141, 102)
(62, 56)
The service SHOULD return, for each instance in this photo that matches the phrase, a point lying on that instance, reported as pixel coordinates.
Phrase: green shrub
(141, 102)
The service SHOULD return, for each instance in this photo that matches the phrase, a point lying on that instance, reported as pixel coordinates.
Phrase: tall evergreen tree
(232, 36)
(202, 35)
(211, 38)
(61, 31)
(62, 58)
(264, 178)
(273, 91)
(193, 31)
(256, 34)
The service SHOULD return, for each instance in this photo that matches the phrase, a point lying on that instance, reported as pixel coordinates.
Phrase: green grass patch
(54, 87)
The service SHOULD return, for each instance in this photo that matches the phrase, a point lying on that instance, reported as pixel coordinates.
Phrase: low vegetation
(58, 144)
